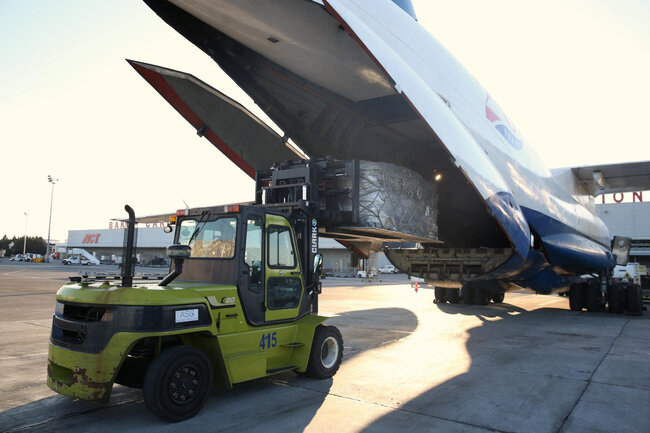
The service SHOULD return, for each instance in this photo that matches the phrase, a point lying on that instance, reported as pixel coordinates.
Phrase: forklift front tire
(326, 352)
(177, 383)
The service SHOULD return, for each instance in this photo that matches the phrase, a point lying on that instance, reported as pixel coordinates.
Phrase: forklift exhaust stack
(128, 264)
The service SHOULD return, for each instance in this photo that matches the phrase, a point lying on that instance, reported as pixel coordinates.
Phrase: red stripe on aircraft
(491, 115)
(226, 150)
(158, 82)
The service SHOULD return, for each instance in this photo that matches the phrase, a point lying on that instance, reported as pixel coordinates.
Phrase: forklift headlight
(58, 309)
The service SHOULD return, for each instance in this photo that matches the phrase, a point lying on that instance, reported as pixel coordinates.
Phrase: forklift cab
(257, 251)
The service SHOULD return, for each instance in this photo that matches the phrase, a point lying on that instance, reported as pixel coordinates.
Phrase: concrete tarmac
(528, 365)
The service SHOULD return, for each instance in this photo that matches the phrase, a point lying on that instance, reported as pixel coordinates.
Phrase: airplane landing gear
(497, 298)
(469, 294)
(634, 300)
(595, 301)
(615, 299)
(453, 295)
(446, 294)
(577, 295)
(620, 297)
(440, 295)
(482, 296)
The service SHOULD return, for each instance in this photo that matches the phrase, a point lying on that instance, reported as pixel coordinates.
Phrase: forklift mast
(310, 195)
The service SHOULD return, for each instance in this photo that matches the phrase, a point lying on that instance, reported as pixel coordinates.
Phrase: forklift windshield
(214, 239)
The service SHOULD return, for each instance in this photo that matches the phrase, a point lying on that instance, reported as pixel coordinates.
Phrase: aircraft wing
(610, 178)
(231, 128)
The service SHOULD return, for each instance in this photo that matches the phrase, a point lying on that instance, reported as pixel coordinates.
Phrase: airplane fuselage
(364, 80)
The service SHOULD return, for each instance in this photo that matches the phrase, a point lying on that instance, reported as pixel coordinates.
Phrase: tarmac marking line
(640, 388)
(14, 272)
(27, 294)
(39, 325)
(395, 331)
(550, 302)
(34, 277)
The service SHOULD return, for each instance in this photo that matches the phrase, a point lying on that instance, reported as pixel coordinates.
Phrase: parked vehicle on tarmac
(76, 260)
(20, 258)
(387, 269)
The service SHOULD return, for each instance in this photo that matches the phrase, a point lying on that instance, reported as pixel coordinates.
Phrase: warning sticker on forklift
(187, 315)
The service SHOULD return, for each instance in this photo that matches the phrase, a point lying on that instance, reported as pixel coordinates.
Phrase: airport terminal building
(151, 242)
(107, 244)
(627, 214)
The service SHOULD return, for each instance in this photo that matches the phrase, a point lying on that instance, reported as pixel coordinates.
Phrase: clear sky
(574, 76)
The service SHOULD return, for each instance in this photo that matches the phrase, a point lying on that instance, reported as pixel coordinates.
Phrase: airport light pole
(49, 224)
(25, 237)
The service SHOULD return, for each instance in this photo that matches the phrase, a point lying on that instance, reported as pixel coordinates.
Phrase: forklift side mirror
(178, 251)
(168, 229)
(318, 264)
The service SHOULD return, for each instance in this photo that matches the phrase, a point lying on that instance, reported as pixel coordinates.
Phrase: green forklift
(240, 302)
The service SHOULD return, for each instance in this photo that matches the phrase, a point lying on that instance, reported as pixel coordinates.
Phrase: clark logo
(501, 123)
(314, 236)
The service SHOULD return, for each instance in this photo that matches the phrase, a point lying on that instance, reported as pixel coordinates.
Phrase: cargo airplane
(358, 79)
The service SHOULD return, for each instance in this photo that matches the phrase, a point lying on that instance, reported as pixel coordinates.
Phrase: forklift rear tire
(326, 352)
(177, 383)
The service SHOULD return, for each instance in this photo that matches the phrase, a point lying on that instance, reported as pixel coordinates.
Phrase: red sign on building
(91, 238)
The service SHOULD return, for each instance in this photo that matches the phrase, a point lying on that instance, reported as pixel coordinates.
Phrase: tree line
(35, 244)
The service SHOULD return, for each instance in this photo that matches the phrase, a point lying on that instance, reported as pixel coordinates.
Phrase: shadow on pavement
(250, 406)
(528, 370)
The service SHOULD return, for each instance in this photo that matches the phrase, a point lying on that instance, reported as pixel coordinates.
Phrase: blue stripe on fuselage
(567, 255)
